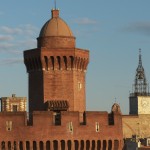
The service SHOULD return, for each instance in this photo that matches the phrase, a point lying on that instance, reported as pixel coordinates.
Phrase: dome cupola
(56, 33)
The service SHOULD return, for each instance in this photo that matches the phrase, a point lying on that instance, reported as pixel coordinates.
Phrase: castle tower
(140, 97)
(56, 69)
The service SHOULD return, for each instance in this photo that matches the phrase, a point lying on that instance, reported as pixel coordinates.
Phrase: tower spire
(140, 58)
(140, 85)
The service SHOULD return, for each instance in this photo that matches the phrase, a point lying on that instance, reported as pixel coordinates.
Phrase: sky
(113, 31)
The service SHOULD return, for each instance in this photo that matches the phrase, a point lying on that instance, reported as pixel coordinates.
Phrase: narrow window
(3, 145)
(15, 145)
(15, 108)
(79, 85)
(70, 127)
(46, 62)
(21, 145)
(57, 118)
(9, 145)
(97, 126)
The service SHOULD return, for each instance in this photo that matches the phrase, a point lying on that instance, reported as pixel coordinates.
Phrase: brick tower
(56, 69)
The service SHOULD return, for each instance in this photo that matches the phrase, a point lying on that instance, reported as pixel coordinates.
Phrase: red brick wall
(56, 42)
(43, 128)
(55, 74)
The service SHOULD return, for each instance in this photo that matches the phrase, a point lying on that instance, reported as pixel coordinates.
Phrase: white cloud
(29, 29)
(27, 44)
(84, 21)
(10, 61)
(26, 30)
(6, 38)
(139, 27)
(17, 48)
(9, 30)
(6, 46)
(15, 40)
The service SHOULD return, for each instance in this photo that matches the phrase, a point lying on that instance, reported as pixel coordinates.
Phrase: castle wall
(94, 132)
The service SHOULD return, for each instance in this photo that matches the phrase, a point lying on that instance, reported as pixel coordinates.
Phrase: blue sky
(113, 31)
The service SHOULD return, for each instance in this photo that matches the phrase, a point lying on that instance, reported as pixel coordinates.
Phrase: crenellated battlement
(52, 60)
(94, 131)
(47, 118)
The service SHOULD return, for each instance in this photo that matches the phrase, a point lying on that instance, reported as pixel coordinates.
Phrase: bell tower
(56, 69)
(140, 97)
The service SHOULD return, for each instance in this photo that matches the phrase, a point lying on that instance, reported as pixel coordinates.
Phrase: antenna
(55, 4)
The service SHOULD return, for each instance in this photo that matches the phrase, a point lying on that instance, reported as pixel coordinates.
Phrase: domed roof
(116, 108)
(55, 26)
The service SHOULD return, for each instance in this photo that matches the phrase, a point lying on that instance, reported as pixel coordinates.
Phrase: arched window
(59, 62)
(63, 145)
(52, 62)
(76, 145)
(9, 145)
(110, 145)
(34, 145)
(15, 145)
(20, 145)
(69, 144)
(104, 144)
(116, 144)
(98, 144)
(65, 61)
(41, 145)
(82, 145)
(3, 145)
(47, 145)
(72, 61)
(87, 145)
(55, 145)
(27, 145)
(93, 145)
(46, 62)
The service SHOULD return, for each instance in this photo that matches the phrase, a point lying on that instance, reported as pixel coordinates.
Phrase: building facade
(58, 119)
(13, 104)
(137, 123)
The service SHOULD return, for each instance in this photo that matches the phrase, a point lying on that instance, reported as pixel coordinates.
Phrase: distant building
(58, 119)
(137, 123)
(140, 98)
(13, 104)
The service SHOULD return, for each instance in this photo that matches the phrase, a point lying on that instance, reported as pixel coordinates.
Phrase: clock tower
(139, 99)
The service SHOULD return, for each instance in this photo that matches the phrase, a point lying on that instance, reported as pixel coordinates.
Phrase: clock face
(144, 103)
